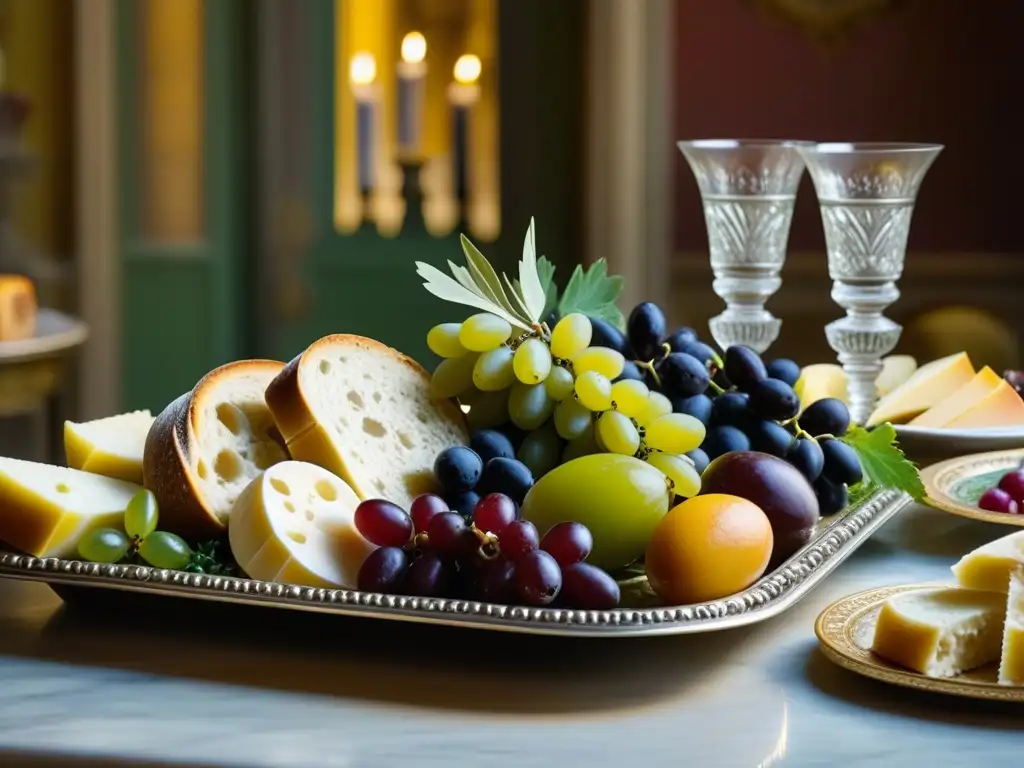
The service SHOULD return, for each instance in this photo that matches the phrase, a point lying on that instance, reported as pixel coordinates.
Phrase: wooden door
(182, 142)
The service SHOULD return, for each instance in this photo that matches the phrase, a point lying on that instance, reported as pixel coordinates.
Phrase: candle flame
(414, 48)
(363, 69)
(467, 69)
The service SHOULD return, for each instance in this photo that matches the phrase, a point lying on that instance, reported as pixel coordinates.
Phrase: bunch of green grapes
(565, 394)
(512, 378)
(139, 538)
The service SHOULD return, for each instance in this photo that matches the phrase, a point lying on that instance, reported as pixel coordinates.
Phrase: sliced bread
(363, 411)
(207, 445)
(111, 447)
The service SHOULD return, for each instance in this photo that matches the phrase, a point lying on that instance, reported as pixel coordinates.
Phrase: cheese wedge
(989, 567)
(961, 401)
(1001, 407)
(112, 446)
(896, 369)
(941, 632)
(929, 385)
(1011, 665)
(819, 381)
(18, 308)
(295, 524)
(46, 510)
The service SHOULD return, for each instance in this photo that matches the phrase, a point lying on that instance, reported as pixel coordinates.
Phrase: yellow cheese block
(941, 632)
(930, 384)
(294, 524)
(1011, 665)
(896, 369)
(1001, 407)
(46, 510)
(18, 308)
(989, 567)
(820, 381)
(961, 401)
(112, 446)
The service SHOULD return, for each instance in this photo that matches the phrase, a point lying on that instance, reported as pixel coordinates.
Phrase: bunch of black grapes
(759, 412)
(744, 403)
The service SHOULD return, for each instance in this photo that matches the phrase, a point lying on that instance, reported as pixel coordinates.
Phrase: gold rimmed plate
(846, 629)
(955, 485)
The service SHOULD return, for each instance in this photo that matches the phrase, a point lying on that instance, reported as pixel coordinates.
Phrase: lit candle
(412, 77)
(362, 73)
(463, 94)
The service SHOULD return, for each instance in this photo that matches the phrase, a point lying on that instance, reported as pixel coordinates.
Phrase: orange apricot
(708, 547)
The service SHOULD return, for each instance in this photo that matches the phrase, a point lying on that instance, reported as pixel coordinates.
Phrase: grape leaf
(593, 292)
(546, 273)
(861, 492)
(883, 462)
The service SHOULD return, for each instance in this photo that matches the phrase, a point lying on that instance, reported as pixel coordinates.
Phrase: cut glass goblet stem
(748, 188)
(867, 193)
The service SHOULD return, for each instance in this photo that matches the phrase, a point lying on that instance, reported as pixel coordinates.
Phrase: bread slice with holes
(363, 411)
(206, 446)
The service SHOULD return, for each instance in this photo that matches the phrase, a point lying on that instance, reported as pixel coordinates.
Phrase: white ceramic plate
(926, 445)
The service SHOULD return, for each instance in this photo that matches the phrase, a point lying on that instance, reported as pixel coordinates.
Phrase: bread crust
(294, 417)
(166, 462)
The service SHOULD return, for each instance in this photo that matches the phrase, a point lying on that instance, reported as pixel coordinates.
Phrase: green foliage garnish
(884, 464)
(591, 292)
(212, 558)
(546, 273)
(861, 492)
(479, 285)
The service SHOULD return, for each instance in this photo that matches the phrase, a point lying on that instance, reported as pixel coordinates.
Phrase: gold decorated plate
(956, 485)
(845, 631)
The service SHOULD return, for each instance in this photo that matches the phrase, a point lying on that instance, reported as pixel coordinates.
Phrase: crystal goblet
(867, 193)
(748, 188)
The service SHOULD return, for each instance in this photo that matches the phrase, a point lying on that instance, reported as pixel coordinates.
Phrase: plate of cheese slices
(965, 639)
(942, 409)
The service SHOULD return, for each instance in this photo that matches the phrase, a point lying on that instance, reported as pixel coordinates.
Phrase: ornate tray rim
(771, 595)
(940, 478)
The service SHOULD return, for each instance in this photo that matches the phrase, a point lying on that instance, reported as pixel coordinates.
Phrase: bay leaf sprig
(479, 285)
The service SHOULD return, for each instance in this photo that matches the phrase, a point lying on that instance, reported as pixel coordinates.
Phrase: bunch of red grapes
(493, 556)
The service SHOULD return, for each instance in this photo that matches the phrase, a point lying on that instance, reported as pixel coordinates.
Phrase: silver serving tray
(833, 541)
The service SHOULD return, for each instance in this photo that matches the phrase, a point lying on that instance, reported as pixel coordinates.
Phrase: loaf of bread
(17, 308)
(111, 447)
(363, 411)
(207, 445)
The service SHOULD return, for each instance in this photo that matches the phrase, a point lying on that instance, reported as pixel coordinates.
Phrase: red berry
(383, 523)
(998, 500)
(1013, 484)
(424, 508)
(494, 512)
(568, 543)
(518, 540)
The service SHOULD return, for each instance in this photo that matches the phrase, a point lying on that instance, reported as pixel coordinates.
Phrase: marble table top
(149, 684)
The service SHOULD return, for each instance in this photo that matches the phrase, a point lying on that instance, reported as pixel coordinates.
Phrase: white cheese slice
(989, 567)
(294, 524)
(941, 632)
(1011, 665)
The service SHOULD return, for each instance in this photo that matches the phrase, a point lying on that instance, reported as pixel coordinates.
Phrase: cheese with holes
(295, 524)
(112, 446)
(941, 632)
(989, 567)
(17, 308)
(1000, 407)
(929, 385)
(46, 510)
(1011, 664)
(961, 401)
